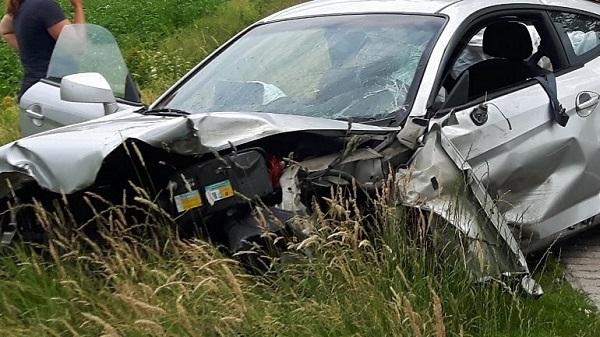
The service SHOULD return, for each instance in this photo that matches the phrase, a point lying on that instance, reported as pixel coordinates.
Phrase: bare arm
(8, 34)
(79, 13)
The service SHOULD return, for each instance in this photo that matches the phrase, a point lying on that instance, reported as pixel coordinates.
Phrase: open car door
(81, 48)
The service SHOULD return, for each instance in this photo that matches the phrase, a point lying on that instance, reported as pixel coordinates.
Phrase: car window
(352, 66)
(473, 52)
(476, 74)
(89, 48)
(582, 31)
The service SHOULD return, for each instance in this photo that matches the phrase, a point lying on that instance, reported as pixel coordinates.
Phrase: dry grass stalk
(151, 326)
(413, 317)
(234, 285)
(184, 318)
(438, 315)
(142, 307)
(109, 330)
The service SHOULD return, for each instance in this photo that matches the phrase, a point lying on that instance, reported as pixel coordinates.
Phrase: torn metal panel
(290, 189)
(481, 195)
(435, 182)
(50, 157)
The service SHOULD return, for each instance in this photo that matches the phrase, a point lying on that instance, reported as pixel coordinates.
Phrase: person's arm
(78, 17)
(56, 28)
(8, 34)
(79, 13)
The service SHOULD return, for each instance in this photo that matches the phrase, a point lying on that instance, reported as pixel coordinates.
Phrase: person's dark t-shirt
(30, 24)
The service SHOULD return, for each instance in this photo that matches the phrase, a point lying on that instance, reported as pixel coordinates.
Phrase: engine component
(218, 185)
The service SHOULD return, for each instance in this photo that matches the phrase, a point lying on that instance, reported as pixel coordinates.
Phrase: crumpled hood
(68, 159)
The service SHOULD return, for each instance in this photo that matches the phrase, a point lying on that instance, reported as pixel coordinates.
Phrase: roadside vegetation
(347, 278)
(136, 24)
(387, 283)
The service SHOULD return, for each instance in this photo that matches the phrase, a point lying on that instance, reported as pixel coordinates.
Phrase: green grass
(9, 120)
(390, 283)
(136, 287)
(141, 24)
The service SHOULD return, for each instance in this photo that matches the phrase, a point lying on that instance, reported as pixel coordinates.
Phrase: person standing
(32, 27)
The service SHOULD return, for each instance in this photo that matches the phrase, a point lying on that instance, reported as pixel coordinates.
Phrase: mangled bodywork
(49, 158)
(425, 163)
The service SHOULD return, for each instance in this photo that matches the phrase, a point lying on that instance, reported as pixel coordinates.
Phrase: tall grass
(348, 278)
(353, 275)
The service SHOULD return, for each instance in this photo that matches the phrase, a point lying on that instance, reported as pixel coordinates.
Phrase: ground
(581, 258)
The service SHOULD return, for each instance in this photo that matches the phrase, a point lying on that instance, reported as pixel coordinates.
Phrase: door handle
(586, 103)
(34, 114)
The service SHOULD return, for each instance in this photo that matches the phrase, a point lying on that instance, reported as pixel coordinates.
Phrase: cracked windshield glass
(341, 67)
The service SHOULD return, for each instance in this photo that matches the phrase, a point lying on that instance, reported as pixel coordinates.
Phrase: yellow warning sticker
(187, 201)
(219, 191)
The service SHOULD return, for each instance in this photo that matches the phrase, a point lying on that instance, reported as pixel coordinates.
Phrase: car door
(80, 48)
(545, 177)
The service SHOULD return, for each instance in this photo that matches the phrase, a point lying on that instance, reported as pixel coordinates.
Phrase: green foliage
(133, 22)
(141, 24)
(9, 120)
(10, 68)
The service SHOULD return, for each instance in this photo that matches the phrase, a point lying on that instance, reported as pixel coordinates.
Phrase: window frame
(469, 27)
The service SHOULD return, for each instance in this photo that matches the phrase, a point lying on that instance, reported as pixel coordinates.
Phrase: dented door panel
(544, 177)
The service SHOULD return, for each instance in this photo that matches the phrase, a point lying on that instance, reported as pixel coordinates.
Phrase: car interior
(509, 56)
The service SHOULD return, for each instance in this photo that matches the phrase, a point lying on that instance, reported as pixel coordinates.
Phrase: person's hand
(77, 3)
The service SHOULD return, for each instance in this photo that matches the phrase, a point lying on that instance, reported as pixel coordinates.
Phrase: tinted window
(583, 31)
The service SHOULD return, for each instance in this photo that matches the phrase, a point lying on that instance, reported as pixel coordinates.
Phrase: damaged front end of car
(211, 171)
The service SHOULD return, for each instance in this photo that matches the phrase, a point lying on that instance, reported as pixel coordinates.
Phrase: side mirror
(88, 88)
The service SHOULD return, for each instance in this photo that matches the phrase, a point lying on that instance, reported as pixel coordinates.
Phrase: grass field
(389, 285)
(139, 24)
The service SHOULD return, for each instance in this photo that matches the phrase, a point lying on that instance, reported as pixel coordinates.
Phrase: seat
(509, 44)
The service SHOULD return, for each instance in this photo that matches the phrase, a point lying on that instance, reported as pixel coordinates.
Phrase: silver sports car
(501, 95)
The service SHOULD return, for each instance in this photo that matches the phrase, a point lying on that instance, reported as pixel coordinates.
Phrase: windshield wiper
(356, 119)
(377, 120)
(164, 112)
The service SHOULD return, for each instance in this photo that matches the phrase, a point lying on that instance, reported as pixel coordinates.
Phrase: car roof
(463, 8)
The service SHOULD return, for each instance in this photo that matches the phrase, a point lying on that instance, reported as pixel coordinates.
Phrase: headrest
(510, 40)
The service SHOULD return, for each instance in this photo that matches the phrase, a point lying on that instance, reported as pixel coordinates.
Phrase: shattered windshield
(338, 67)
